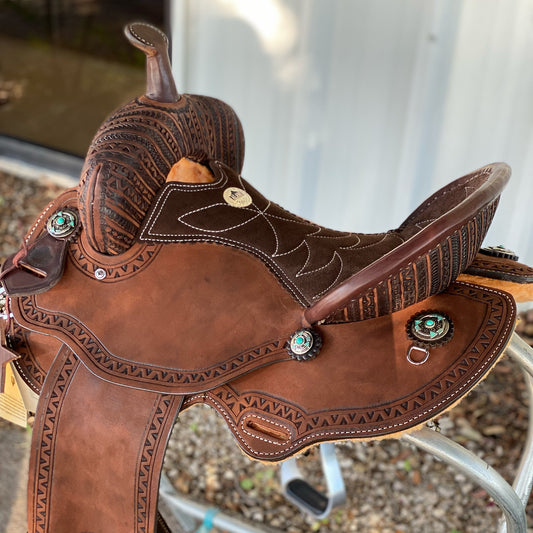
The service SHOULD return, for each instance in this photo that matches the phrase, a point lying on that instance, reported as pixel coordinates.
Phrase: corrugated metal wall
(355, 111)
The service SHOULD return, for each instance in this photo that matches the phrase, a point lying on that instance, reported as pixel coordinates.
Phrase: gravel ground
(391, 487)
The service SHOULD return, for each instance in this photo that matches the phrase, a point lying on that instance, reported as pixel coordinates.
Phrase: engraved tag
(237, 197)
(12, 406)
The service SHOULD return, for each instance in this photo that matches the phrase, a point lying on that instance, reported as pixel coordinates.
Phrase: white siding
(354, 111)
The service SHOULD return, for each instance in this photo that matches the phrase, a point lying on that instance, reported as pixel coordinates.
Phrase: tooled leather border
(28, 365)
(86, 264)
(402, 414)
(151, 457)
(44, 467)
(88, 347)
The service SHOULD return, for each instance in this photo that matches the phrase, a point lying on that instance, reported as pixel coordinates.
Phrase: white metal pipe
(181, 505)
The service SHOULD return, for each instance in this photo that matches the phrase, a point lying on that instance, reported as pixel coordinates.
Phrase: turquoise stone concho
(304, 344)
(430, 328)
(62, 224)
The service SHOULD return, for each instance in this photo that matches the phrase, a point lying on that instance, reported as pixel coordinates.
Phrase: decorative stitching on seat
(278, 261)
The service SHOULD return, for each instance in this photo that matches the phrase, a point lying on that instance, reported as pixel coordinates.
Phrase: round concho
(237, 197)
(62, 224)
(430, 328)
(304, 344)
(499, 251)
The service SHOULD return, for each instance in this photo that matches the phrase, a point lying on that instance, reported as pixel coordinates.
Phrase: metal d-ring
(418, 348)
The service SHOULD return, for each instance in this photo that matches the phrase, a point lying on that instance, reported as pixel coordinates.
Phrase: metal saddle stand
(512, 500)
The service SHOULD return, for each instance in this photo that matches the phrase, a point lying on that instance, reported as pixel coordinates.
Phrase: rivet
(100, 273)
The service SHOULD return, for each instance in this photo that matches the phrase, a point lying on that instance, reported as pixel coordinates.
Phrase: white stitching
(142, 39)
(448, 190)
(300, 273)
(197, 228)
(239, 246)
(268, 421)
(334, 281)
(170, 187)
(317, 435)
(50, 205)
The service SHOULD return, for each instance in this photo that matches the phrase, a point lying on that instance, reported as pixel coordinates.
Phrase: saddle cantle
(148, 289)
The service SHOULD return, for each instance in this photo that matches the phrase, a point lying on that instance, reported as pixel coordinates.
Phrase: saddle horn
(160, 85)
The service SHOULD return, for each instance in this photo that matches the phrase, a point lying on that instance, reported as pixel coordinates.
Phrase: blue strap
(207, 524)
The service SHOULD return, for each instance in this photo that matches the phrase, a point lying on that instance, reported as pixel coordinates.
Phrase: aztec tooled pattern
(132, 153)
(367, 422)
(428, 275)
(44, 466)
(28, 366)
(500, 269)
(151, 458)
(114, 272)
(90, 349)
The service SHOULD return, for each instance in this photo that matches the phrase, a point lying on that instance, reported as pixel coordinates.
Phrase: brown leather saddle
(165, 280)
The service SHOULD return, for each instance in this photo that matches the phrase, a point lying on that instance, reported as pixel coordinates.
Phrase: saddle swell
(132, 154)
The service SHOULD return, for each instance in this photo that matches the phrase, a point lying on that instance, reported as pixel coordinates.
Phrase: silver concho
(430, 328)
(62, 224)
(100, 273)
(304, 344)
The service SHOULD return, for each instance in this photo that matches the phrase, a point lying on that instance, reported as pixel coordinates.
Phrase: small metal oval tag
(237, 197)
